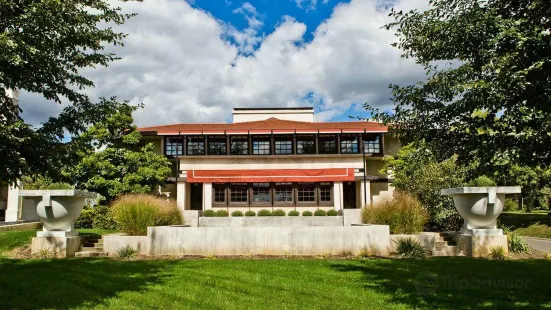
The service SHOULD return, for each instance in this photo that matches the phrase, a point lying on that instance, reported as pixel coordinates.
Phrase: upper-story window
(239, 145)
(217, 145)
(327, 144)
(372, 143)
(349, 144)
(174, 146)
(283, 145)
(196, 145)
(261, 145)
(306, 144)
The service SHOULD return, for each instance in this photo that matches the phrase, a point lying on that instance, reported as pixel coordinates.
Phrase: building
(274, 158)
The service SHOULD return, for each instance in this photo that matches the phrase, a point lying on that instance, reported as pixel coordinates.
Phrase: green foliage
(307, 213)
(118, 168)
(320, 212)
(278, 212)
(135, 212)
(497, 253)
(535, 230)
(43, 183)
(237, 213)
(482, 181)
(293, 213)
(332, 212)
(96, 217)
(510, 205)
(46, 46)
(127, 252)
(209, 213)
(517, 244)
(418, 173)
(250, 213)
(264, 212)
(403, 213)
(410, 248)
(222, 213)
(535, 181)
(487, 88)
(86, 218)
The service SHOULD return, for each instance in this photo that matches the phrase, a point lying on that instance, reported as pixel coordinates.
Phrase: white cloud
(179, 61)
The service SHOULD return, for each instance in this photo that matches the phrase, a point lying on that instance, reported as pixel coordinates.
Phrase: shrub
(85, 219)
(497, 252)
(237, 213)
(264, 212)
(320, 212)
(222, 213)
(510, 205)
(332, 212)
(127, 252)
(403, 213)
(250, 213)
(517, 244)
(278, 212)
(103, 219)
(133, 213)
(293, 213)
(306, 213)
(482, 181)
(410, 248)
(209, 213)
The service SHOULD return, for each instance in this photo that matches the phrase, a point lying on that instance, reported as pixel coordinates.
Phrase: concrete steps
(445, 246)
(92, 247)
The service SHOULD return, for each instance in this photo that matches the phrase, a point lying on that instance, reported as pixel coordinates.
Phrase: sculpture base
(56, 246)
(56, 233)
(479, 242)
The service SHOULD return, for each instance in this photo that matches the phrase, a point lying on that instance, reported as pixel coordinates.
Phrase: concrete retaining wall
(352, 216)
(425, 239)
(271, 221)
(191, 217)
(337, 240)
(21, 226)
(113, 243)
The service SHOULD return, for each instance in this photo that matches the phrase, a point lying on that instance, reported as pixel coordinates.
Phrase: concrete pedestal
(61, 246)
(480, 242)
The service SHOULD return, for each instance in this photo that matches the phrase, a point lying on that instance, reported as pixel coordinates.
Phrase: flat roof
(260, 109)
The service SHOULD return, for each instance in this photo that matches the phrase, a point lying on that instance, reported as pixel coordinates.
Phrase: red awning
(271, 175)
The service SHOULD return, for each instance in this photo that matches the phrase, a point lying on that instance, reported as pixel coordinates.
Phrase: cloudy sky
(193, 61)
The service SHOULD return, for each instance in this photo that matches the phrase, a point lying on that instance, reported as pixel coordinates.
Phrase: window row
(270, 194)
(268, 145)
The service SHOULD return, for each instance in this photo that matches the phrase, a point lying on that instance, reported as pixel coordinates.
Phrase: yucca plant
(497, 253)
(410, 248)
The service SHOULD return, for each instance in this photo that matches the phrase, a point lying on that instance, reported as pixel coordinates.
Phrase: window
(238, 193)
(196, 145)
(219, 193)
(306, 193)
(327, 144)
(372, 144)
(261, 145)
(174, 146)
(283, 145)
(283, 193)
(261, 193)
(325, 192)
(217, 145)
(349, 144)
(306, 144)
(239, 145)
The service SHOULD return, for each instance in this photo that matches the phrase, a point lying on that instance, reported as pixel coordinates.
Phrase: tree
(44, 44)
(486, 96)
(114, 162)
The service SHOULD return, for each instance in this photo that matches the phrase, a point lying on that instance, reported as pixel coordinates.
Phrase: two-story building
(274, 158)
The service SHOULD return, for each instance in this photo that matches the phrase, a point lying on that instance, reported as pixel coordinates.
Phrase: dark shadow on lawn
(458, 283)
(68, 283)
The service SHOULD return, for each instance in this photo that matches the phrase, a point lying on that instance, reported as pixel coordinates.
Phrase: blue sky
(194, 61)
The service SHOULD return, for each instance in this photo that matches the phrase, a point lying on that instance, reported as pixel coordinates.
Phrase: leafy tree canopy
(43, 46)
(488, 90)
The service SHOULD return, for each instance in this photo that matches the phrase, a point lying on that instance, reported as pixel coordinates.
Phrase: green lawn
(442, 283)
(533, 224)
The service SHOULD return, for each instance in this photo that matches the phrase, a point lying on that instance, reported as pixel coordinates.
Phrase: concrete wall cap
(56, 193)
(482, 190)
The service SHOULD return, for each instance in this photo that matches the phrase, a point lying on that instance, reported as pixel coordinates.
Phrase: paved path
(539, 244)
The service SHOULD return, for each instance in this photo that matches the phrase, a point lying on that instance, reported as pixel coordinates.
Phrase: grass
(443, 283)
(532, 224)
